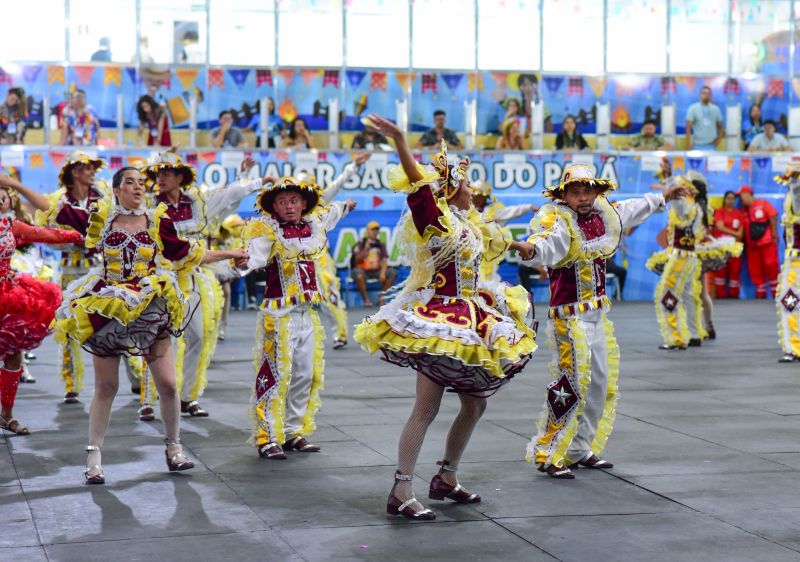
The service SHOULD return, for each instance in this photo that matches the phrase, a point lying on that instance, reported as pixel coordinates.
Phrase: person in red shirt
(761, 241)
(728, 220)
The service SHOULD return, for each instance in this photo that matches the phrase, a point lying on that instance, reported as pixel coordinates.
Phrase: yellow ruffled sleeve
(398, 180)
(48, 217)
(496, 239)
(97, 221)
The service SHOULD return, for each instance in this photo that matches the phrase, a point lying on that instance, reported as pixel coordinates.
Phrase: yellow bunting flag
(405, 79)
(186, 76)
(678, 163)
(475, 80)
(55, 74)
(113, 75)
(37, 160)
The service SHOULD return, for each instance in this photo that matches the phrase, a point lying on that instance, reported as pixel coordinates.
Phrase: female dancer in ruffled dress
(27, 304)
(438, 324)
(131, 307)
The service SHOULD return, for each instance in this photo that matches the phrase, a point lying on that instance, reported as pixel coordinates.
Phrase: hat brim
(557, 191)
(266, 200)
(187, 172)
(65, 175)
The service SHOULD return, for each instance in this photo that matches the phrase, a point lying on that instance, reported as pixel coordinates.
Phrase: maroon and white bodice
(292, 272)
(128, 256)
(582, 283)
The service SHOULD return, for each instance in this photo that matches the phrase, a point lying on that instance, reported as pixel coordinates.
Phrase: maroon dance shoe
(595, 462)
(561, 472)
(271, 451)
(299, 443)
(396, 507)
(174, 463)
(440, 489)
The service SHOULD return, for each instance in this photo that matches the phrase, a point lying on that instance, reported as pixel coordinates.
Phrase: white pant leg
(301, 338)
(691, 301)
(193, 337)
(581, 446)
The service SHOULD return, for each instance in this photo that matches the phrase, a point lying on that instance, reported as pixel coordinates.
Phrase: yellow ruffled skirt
(459, 343)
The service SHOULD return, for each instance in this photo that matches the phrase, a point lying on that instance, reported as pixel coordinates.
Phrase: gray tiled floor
(706, 444)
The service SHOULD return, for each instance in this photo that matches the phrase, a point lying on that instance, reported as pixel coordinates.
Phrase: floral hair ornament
(449, 176)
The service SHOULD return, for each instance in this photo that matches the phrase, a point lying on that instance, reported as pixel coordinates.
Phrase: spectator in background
(192, 52)
(153, 122)
(79, 125)
(226, 135)
(704, 123)
(513, 108)
(511, 138)
(769, 140)
(103, 54)
(432, 138)
(274, 125)
(371, 261)
(647, 139)
(299, 136)
(760, 241)
(570, 137)
(755, 128)
(729, 221)
(13, 113)
(370, 139)
(528, 85)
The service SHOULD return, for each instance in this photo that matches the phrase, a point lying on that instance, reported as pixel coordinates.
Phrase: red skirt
(27, 309)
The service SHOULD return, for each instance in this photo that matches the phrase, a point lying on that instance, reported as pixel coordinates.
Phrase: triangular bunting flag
(84, 73)
(331, 78)
(57, 158)
(208, 157)
(132, 73)
(355, 77)
(500, 77)
(239, 75)
(135, 161)
(452, 80)
(405, 79)
(308, 75)
(263, 76)
(378, 81)
(775, 88)
(115, 162)
(31, 72)
(287, 75)
(689, 81)
(429, 83)
(36, 160)
(55, 74)
(6, 78)
(695, 163)
(746, 165)
(216, 78)
(191, 158)
(597, 84)
(376, 201)
(575, 86)
(186, 76)
(553, 83)
(678, 163)
(475, 80)
(762, 162)
(112, 75)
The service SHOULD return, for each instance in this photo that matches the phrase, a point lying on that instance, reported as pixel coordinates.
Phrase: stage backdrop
(517, 178)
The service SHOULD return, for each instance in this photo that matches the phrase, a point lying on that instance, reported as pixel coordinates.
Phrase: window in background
(443, 34)
(310, 32)
(508, 35)
(573, 36)
(377, 33)
(98, 34)
(699, 36)
(242, 32)
(761, 36)
(46, 21)
(637, 36)
(173, 31)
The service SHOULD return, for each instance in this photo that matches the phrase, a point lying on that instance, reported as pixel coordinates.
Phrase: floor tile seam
(23, 492)
(530, 542)
(587, 515)
(339, 428)
(245, 503)
(158, 538)
(752, 533)
(672, 430)
(657, 494)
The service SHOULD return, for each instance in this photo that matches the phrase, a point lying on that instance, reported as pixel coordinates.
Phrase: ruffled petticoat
(460, 343)
(121, 319)
(713, 253)
(27, 308)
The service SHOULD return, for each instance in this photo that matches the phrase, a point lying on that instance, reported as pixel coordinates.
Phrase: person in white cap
(573, 237)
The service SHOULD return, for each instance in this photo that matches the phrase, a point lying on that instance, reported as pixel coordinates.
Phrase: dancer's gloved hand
(350, 204)
(676, 192)
(361, 158)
